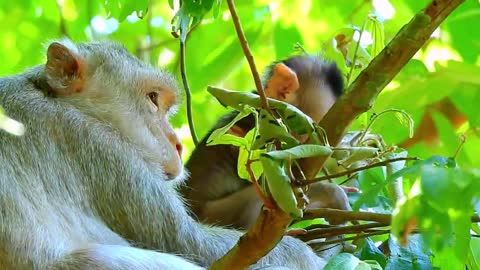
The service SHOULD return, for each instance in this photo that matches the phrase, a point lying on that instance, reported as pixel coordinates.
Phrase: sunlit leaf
(342, 261)
(279, 186)
(473, 260)
(375, 27)
(371, 252)
(10, 125)
(120, 9)
(413, 256)
(215, 137)
(246, 153)
(301, 151)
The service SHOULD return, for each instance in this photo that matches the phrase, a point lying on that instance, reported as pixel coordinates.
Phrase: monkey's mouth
(174, 170)
(179, 176)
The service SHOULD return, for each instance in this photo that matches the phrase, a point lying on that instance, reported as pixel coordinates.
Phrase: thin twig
(463, 139)
(155, 45)
(349, 172)
(355, 54)
(63, 27)
(248, 54)
(347, 215)
(266, 201)
(379, 220)
(335, 230)
(315, 244)
(188, 95)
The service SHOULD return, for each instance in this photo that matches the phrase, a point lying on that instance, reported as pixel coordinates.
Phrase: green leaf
(372, 184)
(413, 256)
(189, 15)
(270, 129)
(244, 154)
(442, 222)
(229, 139)
(473, 257)
(342, 261)
(371, 252)
(372, 264)
(356, 154)
(443, 259)
(405, 120)
(120, 9)
(216, 8)
(216, 136)
(375, 27)
(279, 186)
(300, 151)
(235, 99)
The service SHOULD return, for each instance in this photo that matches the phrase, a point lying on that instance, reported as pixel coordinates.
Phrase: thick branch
(268, 230)
(363, 91)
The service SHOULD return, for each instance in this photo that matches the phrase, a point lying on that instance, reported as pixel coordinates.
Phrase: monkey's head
(103, 81)
(305, 81)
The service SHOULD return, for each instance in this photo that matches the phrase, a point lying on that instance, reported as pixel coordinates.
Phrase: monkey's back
(39, 181)
(219, 163)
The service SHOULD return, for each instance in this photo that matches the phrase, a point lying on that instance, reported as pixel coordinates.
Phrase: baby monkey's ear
(282, 84)
(65, 70)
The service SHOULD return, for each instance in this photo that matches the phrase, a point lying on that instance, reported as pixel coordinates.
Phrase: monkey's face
(135, 100)
(159, 93)
(152, 96)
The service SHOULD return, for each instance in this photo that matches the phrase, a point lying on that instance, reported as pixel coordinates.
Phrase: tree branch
(188, 95)
(347, 215)
(317, 244)
(383, 68)
(322, 231)
(248, 54)
(272, 223)
(300, 182)
(268, 230)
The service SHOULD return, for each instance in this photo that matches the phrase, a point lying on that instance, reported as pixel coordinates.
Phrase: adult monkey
(215, 192)
(86, 186)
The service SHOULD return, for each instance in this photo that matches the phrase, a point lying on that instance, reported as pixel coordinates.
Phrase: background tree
(438, 88)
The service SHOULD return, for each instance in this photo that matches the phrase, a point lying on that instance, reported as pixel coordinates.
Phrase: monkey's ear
(283, 82)
(65, 70)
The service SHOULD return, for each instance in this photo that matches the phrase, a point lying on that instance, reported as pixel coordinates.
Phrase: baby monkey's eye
(153, 97)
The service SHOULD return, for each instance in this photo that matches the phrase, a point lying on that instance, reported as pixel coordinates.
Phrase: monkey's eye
(153, 98)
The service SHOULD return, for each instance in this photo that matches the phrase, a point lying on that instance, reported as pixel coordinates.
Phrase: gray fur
(81, 190)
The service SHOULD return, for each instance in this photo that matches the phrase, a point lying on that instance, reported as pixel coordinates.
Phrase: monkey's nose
(179, 148)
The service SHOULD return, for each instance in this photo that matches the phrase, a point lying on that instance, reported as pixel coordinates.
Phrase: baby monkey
(215, 192)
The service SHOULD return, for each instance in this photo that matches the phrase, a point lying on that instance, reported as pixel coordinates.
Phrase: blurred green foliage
(442, 80)
(448, 66)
